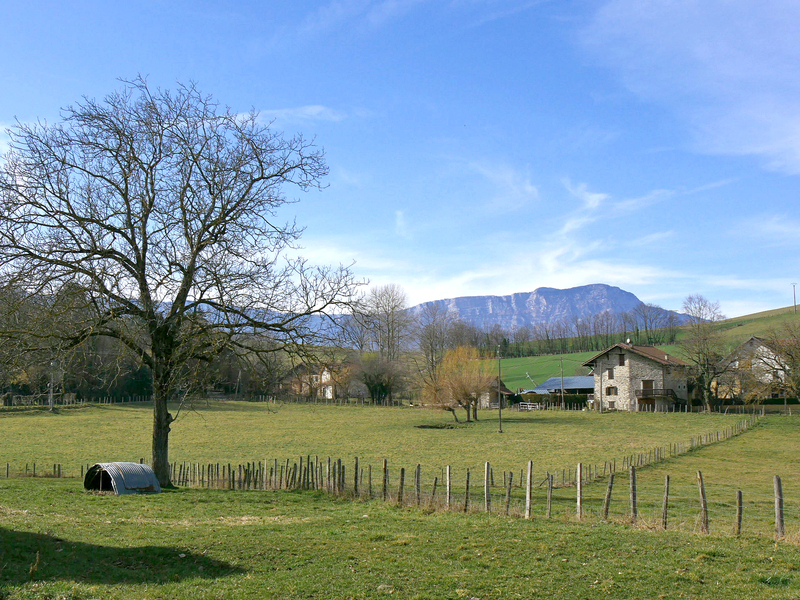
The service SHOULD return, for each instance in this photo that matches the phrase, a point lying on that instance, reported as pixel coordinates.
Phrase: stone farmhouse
(628, 377)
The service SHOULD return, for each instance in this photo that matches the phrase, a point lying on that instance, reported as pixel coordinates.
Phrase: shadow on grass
(93, 563)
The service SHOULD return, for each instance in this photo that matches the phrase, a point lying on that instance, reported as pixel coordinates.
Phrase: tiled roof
(650, 352)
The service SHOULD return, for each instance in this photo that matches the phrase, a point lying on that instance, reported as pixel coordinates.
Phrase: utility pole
(794, 296)
(50, 398)
(561, 360)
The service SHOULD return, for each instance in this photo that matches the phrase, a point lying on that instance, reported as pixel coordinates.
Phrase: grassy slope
(216, 544)
(735, 331)
(540, 368)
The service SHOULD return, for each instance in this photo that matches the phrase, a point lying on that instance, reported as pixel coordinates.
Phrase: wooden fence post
(529, 490)
(448, 490)
(780, 531)
(466, 494)
(402, 484)
(703, 503)
(418, 483)
(665, 503)
(739, 510)
(328, 474)
(579, 486)
(607, 500)
(385, 479)
(634, 510)
(487, 497)
(508, 490)
(355, 479)
(549, 494)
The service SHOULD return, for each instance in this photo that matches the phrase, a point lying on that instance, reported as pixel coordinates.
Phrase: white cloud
(333, 15)
(772, 229)
(400, 225)
(649, 199)
(513, 189)
(591, 200)
(5, 140)
(302, 114)
(363, 14)
(727, 68)
(587, 213)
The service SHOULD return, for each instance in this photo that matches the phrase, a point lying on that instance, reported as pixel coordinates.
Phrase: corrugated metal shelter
(121, 478)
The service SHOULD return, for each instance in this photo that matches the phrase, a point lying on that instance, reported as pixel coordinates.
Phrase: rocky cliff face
(543, 305)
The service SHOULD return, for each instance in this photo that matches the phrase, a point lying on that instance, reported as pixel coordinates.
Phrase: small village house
(489, 398)
(628, 377)
(756, 370)
(313, 381)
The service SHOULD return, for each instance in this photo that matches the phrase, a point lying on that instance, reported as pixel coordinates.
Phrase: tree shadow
(26, 556)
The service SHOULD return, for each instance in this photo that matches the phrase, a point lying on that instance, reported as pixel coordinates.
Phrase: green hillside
(735, 331)
(540, 368)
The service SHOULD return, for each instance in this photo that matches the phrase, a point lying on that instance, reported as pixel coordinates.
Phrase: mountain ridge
(542, 305)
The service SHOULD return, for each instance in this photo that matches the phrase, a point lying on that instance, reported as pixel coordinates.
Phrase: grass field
(199, 543)
(59, 543)
(236, 432)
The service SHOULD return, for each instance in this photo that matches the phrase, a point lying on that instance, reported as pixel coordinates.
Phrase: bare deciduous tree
(703, 345)
(160, 209)
(385, 311)
(433, 327)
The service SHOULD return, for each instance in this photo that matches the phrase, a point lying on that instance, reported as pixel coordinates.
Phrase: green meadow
(237, 432)
(58, 541)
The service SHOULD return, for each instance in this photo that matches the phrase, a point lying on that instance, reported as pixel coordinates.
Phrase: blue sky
(486, 146)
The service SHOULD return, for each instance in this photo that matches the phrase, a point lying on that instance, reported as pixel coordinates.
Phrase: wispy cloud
(586, 213)
(590, 200)
(400, 225)
(513, 188)
(651, 239)
(359, 14)
(303, 114)
(5, 140)
(779, 230)
(494, 10)
(728, 69)
(642, 202)
(374, 15)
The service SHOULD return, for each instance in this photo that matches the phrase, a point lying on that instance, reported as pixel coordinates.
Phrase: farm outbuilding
(121, 478)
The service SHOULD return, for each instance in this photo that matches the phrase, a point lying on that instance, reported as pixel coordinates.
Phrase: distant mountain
(543, 305)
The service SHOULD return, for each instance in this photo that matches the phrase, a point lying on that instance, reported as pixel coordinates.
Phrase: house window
(610, 373)
(611, 390)
(611, 404)
(621, 360)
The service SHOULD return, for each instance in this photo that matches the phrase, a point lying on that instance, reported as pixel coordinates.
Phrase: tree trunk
(475, 410)
(466, 408)
(162, 420)
(455, 415)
